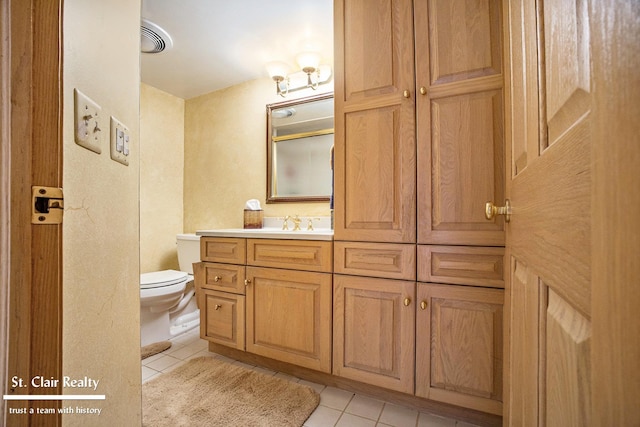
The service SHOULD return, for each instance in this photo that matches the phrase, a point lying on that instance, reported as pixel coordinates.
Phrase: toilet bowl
(162, 290)
(168, 305)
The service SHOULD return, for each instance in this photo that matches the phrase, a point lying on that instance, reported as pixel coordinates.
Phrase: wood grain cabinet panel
(375, 157)
(220, 277)
(460, 121)
(222, 318)
(223, 249)
(459, 346)
(374, 325)
(394, 261)
(310, 255)
(462, 265)
(289, 316)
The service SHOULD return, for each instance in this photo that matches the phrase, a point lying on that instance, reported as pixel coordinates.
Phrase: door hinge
(47, 205)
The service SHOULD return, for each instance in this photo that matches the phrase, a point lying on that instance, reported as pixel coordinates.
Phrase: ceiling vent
(153, 38)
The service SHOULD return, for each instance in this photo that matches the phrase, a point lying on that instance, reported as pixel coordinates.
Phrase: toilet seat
(159, 279)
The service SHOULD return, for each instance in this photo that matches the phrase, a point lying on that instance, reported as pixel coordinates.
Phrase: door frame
(31, 154)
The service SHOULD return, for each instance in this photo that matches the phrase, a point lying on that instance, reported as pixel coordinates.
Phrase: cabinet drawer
(387, 260)
(461, 265)
(222, 318)
(223, 249)
(221, 277)
(308, 255)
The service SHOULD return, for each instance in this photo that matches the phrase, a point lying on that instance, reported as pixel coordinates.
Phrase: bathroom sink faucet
(310, 223)
(296, 223)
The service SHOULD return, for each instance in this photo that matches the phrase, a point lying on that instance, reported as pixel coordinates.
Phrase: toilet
(168, 305)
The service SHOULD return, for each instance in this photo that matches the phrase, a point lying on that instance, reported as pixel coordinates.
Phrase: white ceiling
(221, 43)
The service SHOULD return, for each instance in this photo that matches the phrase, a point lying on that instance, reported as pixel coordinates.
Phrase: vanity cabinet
(419, 150)
(269, 297)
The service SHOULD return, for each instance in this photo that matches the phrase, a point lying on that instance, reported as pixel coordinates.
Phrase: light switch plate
(87, 122)
(119, 142)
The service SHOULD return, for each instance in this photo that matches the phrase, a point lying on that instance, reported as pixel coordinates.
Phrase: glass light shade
(308, 60)
(277, 69)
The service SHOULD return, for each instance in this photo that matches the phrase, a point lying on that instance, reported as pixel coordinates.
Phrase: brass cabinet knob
(217, 306)
(423, 90)
(247, 282)
(491, 210)
(423, 305)
(217, 279)
(407, 301)
(406, 94)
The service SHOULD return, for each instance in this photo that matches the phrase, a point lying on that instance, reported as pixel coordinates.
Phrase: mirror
(299, 141)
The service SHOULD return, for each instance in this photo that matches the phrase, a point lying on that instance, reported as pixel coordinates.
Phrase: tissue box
(253, 219)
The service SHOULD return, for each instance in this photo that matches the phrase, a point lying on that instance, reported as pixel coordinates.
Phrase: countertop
(269, 233)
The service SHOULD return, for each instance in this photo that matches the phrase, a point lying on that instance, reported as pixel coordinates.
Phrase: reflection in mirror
(299, 141)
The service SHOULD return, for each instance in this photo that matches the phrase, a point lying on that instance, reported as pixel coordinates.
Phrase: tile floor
(337, 407)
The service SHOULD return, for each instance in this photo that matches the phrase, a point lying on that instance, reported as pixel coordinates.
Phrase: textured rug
(209, 392)
(155, 348)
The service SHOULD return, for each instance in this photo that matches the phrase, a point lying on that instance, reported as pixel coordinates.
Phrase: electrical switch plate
(119, 142)
(87, 122)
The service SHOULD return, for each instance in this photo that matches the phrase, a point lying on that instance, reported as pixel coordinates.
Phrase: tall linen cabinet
(419, 149)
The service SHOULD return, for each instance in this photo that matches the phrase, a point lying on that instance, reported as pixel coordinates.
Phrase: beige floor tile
(162, 363)
(323, 417)
(335, 398)
(398, 416)
(429, 420)
(366, 407)
(350, 420)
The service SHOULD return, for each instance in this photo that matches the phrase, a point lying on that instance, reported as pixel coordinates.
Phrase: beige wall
(101, 307)
(161, 178)
(225, 156)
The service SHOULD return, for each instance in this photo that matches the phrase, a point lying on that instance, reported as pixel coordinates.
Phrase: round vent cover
(153, 38)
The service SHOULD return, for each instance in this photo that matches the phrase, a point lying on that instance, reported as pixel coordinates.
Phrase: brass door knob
(423, 305)
(406, 94)
(491, 210)
(217, 306)
(423, 90)
(247, 282)
(217, 278)
(407, 301)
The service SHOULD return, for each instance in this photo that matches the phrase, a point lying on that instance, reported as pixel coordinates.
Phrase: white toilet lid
(158, 279)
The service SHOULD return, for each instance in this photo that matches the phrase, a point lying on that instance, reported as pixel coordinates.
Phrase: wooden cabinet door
(373, 336)
(289, 316)
(459, 346)
(222, 318)
(460, 124)
(374, 121)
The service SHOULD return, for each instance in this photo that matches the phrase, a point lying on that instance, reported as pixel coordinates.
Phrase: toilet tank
(188, 251)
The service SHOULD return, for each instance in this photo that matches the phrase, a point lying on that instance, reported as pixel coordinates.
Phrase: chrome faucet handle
(285, 224)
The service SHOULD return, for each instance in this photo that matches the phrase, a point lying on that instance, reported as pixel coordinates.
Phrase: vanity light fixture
(310, 63)
(312, 74)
